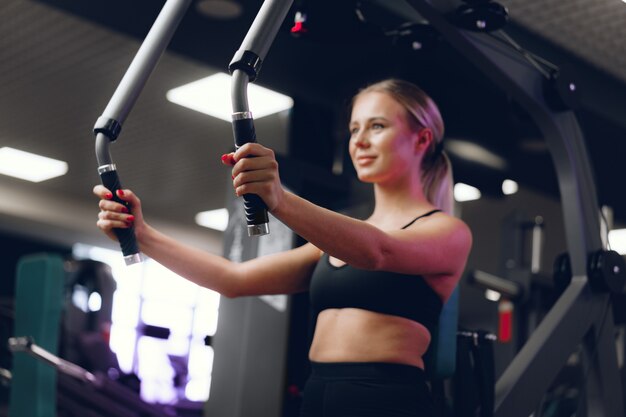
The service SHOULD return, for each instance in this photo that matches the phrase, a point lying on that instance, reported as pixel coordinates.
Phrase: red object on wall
(299, 27)
(505, 321)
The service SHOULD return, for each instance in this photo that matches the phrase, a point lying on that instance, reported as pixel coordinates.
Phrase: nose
(361, 140)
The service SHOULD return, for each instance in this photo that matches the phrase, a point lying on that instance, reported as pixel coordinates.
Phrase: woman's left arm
(438, 245)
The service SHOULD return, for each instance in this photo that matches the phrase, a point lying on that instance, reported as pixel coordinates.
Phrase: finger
(130, 197)
(102, 192)
(108, 205)
(248, 177)
(251, 149)
(228, 159)
(253, 164)
(107, 225)
(116, 217)
(257, 187)
(123, 194)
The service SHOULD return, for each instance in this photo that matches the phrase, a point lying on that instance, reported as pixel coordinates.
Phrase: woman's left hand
(255, 171)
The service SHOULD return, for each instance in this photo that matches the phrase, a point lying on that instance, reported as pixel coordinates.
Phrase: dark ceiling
(321, 70)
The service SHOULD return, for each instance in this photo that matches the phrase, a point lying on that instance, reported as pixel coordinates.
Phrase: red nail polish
(124, 209)
(225, 157)
(108, 196)
(130, 218)
(120, 193)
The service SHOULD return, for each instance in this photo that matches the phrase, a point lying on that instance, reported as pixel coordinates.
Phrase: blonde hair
(422, 112)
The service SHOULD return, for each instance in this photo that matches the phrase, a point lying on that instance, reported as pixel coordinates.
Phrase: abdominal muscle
(355, 335)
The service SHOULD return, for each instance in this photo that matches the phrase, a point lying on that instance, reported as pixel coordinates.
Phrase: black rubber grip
(243, 131)
(126, 237)
(255, 208)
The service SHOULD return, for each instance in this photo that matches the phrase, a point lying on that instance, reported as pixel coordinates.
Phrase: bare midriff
(356, 335)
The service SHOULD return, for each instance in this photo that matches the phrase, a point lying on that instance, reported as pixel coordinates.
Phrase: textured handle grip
(126, 237)
(255, 208)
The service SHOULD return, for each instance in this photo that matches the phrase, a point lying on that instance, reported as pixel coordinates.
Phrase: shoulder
(442, 221)
(455, 224)
(442, 233)
(453, 228)
(438, 244)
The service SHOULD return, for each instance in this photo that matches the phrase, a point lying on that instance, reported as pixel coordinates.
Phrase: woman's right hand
(114, 215)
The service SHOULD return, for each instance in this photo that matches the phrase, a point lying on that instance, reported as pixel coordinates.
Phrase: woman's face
(382, 145)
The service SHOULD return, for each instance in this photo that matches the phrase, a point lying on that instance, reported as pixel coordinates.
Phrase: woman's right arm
(281, 273)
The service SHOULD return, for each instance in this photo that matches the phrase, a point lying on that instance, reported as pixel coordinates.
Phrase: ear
(422, 139)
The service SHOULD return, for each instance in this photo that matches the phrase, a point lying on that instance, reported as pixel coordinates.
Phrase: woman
(377, 285)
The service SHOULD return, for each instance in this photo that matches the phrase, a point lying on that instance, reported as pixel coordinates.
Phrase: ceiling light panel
(29, 166)
(211, 95)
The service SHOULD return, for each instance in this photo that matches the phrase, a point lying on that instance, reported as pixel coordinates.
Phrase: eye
(354, 130)
(377, 126)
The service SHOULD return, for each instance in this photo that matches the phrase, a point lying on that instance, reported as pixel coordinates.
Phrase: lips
(365, 159)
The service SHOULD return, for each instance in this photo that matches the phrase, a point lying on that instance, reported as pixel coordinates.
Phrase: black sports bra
(384, 292)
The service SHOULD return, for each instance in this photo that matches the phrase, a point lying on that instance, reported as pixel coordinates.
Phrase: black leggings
(366, 390)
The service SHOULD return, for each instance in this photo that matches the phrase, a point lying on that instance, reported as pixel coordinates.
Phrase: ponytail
(438, 184)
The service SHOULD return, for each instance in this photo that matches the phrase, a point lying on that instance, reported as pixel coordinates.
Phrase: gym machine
(42, 383)
(244, 68)
(82, 393)
(109, 124)
(520, 285)
(583, 314)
